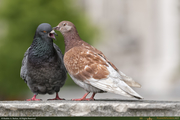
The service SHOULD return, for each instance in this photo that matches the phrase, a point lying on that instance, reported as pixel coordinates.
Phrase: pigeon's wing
(58, 51)
(128, 80)
(23, 72)
(61, 56)
(113, 83)
(91, 68)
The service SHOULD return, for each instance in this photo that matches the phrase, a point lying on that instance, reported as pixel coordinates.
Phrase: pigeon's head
(44, 30)
(65, 27)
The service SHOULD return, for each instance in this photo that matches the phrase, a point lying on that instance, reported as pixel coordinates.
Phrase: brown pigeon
(90, 69)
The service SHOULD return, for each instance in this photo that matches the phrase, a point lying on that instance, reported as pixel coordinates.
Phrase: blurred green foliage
(22, 18)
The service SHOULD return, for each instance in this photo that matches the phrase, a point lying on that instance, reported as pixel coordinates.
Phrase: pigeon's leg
(57, 97)
(92, 97)
(33, 98)
(84, 97)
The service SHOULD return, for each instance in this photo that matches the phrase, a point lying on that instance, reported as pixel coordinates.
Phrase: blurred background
(141, 37)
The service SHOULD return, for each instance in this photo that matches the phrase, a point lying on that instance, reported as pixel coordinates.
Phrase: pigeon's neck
(42, 48)
(71, 40)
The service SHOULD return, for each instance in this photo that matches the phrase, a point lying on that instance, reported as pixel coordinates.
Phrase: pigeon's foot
(57, 97)
(85, 99)
(33, 99)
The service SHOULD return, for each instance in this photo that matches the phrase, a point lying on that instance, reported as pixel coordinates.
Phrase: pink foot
(33, 99)
(83, 99)
(57, 97)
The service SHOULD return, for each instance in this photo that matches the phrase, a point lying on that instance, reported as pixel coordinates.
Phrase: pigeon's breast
(44, 77)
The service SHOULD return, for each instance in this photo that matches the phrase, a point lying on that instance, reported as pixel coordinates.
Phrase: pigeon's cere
(90, 69)
(42, 67)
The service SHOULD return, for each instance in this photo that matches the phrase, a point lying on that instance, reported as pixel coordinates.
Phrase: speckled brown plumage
(84, 64)
(90, 69)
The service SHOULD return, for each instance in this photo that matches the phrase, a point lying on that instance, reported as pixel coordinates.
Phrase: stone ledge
(90, 108)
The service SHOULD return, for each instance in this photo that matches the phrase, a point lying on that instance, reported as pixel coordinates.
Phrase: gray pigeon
(42, 66)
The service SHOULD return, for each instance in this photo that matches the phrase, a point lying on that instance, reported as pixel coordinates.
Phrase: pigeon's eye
(64, 24)
(44, 31)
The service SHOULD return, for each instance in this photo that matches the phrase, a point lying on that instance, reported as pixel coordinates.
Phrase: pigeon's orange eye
(64, 24)
(44, 31)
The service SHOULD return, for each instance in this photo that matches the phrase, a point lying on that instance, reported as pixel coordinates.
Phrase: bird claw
(57, 99)
(33, 99)
(83, 99)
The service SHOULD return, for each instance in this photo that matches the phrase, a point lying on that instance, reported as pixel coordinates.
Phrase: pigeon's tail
(115, 85)
(128, 90)
(121, 84)
(128, 80)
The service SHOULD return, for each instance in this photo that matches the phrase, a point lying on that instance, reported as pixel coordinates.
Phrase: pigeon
(90, 69)
(42, 67)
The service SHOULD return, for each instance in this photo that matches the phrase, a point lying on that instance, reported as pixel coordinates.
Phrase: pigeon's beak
(52, 34)
(56, 28)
